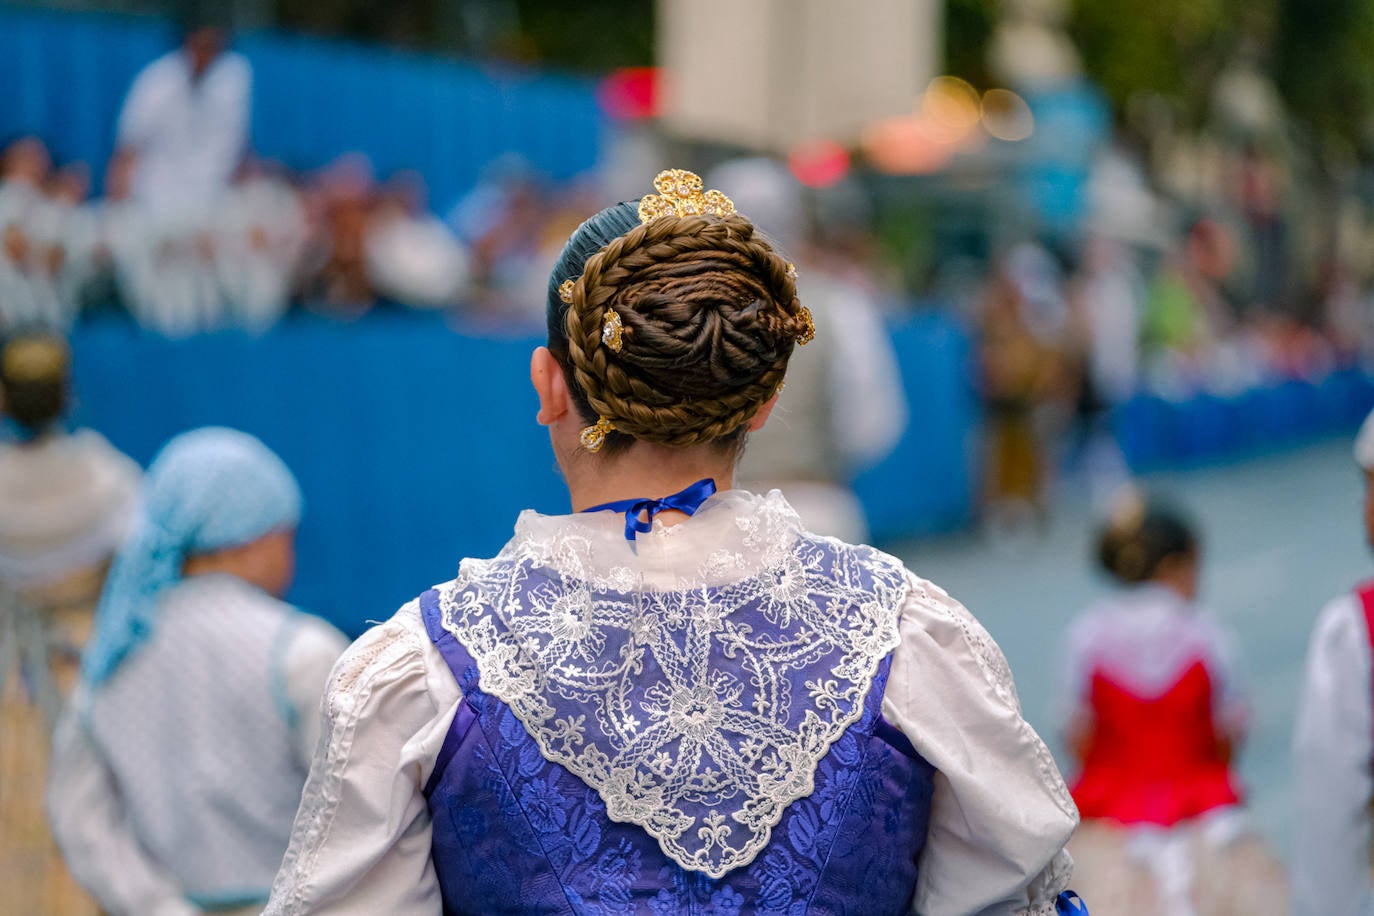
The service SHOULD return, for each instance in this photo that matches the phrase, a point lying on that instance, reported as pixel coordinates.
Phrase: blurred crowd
(338, 238)
(1157, 297)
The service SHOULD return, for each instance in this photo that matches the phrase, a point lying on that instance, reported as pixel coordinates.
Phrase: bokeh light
(1006, 115)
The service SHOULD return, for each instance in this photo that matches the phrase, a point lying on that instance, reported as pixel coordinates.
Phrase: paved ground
(1281, 536)
(33, 881)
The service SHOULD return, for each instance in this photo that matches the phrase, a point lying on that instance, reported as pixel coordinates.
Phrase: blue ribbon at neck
(686, 501)
(1070, 904)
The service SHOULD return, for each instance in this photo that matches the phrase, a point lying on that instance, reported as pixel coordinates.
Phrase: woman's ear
(551, 387)
(761, 417)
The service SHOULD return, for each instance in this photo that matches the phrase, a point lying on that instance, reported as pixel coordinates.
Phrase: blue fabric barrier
(416, 446)
(927, 484)
(65, 76)
(1157, 433)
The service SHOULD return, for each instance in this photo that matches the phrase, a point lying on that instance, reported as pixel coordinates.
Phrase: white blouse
(1333, 747)
(91, 809)
(1000, 812)
(1145, 638)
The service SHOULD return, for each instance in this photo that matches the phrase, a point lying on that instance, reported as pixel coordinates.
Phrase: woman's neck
(646, 471)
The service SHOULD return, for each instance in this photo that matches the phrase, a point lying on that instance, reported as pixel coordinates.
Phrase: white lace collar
(734, 534)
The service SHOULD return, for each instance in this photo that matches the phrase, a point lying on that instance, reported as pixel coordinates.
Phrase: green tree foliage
(590, 35)
(1324, 65)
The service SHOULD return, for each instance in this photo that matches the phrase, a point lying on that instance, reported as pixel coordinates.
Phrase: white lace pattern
(699, 708)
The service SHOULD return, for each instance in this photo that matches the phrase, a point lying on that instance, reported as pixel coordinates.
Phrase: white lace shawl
(698, 701)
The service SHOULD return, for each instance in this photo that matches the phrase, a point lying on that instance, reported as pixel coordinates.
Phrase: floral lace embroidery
(698, 714)
(351, 686)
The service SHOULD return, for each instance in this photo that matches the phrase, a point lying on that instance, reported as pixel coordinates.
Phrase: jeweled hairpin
(565, 291)
(593, 437)
(680, 194)
(612, 331)
(808, 333)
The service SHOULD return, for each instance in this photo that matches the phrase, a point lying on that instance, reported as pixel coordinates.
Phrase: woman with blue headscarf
(179, 765)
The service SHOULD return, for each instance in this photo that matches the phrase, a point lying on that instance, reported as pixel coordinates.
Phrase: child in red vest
(1155, 711)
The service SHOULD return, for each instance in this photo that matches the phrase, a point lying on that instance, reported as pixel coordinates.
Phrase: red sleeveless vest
(1154, 760)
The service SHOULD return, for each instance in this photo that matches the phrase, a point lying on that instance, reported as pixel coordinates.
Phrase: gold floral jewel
(680, 194)
(612, 331)
(565, 291)
(593, 437)
(792, 271)
(808, 333)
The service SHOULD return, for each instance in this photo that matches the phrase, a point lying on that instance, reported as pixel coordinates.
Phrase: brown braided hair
(710, 315)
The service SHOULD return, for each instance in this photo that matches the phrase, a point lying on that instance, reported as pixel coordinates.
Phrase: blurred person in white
(259, 240)
(30, 258)
(179, 762)
(177, 290)
(1105, 300)
(338, 204)
(1333, 744)
(166, 271)
(412, 256)
(1155, 710)
(844, 407)
(73, 223)
(67, 497)
(184, 126)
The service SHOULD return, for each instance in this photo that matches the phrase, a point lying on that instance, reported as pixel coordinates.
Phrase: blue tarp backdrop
(64, 77)
(417, 446)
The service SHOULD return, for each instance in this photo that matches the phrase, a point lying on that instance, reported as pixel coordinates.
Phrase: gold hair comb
(680, 194)
(565, 291)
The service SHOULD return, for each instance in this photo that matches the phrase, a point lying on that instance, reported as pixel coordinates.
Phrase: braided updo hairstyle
(710, 317)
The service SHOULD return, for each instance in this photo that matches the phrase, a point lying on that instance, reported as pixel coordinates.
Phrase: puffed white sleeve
(1332, 746)
(361, 839)
(88, 821)
(314, 648)
(1000, 813)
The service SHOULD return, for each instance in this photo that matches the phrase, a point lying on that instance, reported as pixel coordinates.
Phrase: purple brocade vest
(515, 833)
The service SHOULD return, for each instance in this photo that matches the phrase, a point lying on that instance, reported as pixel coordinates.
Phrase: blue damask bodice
(720, 750)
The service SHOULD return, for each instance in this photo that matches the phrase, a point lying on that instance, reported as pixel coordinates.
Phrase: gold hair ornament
(680, 194)
(593, 437)
(808, 331)
(612, 330)
(1128, 514)
(565, 291)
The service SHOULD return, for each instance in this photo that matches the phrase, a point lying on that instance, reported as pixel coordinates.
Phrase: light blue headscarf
(208, 489)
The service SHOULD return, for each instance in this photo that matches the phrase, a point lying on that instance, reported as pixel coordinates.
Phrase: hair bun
(708, 317)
